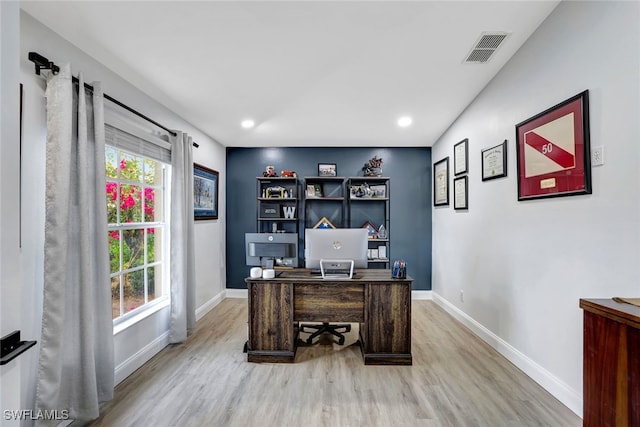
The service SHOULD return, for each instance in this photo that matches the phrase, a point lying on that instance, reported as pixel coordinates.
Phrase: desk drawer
(339, 302)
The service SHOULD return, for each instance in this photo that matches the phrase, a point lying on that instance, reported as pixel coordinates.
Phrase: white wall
(10, 296)
(524, 266)
(138, 343)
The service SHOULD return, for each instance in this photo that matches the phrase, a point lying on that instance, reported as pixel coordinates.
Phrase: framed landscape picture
(205, 192)
(553, 151)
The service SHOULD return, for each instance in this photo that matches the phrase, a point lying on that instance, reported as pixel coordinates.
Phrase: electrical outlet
(461, 296)
(597, 156)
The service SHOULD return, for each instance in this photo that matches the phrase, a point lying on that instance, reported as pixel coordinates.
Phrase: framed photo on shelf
(553, 151)
(205, 192)
(461, 157)
(314, 190)
(311, 190)
(324, 223)
(460, 193)
(494, 162)
(441, 182)
(379, 191)
(327, 169)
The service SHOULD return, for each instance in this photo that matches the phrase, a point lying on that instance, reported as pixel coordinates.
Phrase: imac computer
(348, 244)
(270, 250)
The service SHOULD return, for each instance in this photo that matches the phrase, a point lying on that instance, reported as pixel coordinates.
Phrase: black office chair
(335, 330)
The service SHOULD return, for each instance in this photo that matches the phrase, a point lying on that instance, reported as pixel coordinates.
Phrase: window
(136, 197)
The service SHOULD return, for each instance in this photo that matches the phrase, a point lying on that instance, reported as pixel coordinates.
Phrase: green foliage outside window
(131, 205)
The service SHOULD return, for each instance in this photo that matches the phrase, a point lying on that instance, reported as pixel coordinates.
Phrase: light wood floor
(456, 380)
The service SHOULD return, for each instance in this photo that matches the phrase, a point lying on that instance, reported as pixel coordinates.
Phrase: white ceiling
(330, 73)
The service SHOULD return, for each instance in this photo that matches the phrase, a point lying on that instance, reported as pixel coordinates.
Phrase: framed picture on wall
(553, 151)
(461, 157)
(494, 162)
(441, 182)
(205, 193)
(327, 169)
(460, 193)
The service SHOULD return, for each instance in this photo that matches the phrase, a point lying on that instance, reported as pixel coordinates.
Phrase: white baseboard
(208, 306)
(236, 293)
(571, 398)
(421, 295)
(141, 357)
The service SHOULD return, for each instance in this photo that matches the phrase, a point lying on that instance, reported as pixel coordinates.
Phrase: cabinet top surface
(303, 275)
(368, 178)
(277, 178)
(621, 311)
(324, 178)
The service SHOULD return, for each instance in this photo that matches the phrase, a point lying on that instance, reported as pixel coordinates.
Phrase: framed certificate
(461, 157)
(441, 182)
(553, 151)
(460, 193)
(494, 162)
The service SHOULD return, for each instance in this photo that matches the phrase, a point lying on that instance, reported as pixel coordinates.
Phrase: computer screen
(336, 244)
(271, 249)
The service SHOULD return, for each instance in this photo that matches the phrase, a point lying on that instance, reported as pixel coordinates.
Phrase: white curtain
(76, 365)
(183, 300)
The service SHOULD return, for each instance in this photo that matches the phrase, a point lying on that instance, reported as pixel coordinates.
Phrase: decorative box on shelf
(269, 210)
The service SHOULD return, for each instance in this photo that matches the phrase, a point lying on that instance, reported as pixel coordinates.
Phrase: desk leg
(272, 335)
(386, 332)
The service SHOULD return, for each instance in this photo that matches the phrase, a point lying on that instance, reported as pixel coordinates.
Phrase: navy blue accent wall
(409, 169)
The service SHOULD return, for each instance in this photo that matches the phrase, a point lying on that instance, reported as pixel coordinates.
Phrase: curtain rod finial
(42, 63)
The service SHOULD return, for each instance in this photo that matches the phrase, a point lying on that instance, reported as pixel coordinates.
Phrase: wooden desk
(611, 383)
(379, 303)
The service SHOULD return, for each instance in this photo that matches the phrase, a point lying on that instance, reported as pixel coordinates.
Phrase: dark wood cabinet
(611, 382)
(277, 341)
(386, 332)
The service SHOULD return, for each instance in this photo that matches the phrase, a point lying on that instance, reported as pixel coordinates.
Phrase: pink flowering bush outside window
(135, 222)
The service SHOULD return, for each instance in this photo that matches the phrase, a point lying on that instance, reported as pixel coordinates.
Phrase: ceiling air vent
(484, 48)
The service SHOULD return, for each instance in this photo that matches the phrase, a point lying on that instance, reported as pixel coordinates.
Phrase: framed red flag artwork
(554, 157)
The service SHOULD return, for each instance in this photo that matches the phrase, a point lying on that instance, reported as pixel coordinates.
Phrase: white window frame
(149, 307)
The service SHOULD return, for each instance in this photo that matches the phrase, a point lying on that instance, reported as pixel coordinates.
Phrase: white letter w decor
(289, 211)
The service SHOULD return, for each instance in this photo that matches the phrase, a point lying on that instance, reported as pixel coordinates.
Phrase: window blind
(124, 140)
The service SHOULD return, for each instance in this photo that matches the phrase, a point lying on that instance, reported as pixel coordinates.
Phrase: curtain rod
(42, 63)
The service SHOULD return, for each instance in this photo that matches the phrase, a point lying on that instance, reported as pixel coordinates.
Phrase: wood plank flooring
(456, 380)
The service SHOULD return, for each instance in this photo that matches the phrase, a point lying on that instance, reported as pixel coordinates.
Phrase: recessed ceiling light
(405, 121)
(247, 124)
